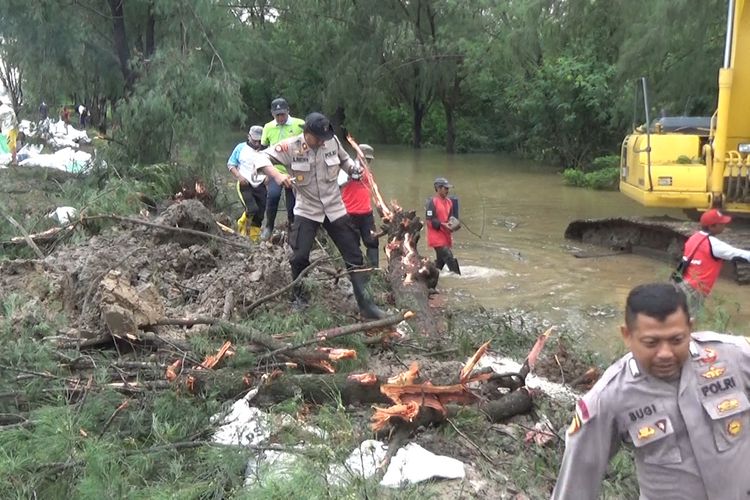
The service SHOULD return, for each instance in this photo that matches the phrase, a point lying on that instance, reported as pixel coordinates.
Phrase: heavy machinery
(691, 163)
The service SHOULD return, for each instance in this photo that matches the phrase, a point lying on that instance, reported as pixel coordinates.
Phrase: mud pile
(182, 275)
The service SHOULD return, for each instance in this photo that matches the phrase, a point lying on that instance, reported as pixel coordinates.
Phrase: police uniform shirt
(315, 173)
(691, 437)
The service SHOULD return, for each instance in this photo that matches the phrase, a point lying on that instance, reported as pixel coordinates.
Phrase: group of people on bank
(322, 185)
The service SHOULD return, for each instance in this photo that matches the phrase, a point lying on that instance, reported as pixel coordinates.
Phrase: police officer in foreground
(313, 160)
(679, 399)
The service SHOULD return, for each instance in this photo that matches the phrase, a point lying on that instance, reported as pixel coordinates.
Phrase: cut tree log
(344, 389)
(409, 274)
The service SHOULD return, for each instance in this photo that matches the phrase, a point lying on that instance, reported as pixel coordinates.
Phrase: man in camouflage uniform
(313, 160)
(679, 399)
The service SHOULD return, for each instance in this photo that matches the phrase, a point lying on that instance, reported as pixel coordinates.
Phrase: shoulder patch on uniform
(588, 406)
(722, 338)
(575, 425)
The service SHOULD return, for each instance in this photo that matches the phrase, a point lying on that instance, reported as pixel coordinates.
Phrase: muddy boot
(265, 235)
(373, 257)
(299, 298)
(242, 224)
(254, 233)
(367, 307)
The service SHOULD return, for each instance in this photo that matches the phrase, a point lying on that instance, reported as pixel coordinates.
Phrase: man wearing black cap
(439, 227)
(703, 257)
(313, 160)
(281, 127)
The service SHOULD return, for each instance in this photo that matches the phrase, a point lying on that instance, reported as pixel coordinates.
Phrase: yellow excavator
(689, 163)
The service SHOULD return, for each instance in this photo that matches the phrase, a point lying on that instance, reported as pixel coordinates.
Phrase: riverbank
(86, 415)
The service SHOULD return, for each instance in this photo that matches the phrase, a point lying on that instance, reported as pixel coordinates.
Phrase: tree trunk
(121, 41)
(150, 31)
(409, 275)
(339, 389)
(450, 100)
(418, 109)
(450, 128)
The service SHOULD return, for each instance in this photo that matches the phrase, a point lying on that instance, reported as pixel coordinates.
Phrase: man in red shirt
(439, 230)
(355, 191)
(706, 255)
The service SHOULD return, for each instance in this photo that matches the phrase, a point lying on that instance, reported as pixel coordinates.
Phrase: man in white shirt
(243, 164)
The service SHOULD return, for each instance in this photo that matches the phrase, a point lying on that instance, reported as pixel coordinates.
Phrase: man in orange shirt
(704, 256)
(355, 191)
(439, 231)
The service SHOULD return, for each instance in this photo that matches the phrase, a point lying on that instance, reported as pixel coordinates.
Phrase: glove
(356, 172)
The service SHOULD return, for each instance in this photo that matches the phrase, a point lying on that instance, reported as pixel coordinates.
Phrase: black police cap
(318, 125)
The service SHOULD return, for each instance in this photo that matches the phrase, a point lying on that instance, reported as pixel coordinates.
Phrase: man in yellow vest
(281, 127)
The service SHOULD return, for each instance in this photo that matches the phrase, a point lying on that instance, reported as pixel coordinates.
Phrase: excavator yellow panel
(668, 182)
(667, 148)
(666, 199)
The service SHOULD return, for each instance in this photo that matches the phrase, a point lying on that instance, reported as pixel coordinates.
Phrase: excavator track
(661, 237)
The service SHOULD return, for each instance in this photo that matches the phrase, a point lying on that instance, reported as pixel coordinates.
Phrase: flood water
(522, 260)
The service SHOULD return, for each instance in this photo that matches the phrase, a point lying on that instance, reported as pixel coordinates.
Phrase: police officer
(679, 399)
(313, 160)
(281, 127)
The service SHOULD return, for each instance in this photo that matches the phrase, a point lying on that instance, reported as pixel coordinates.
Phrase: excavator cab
(696, 163)
(663, 164)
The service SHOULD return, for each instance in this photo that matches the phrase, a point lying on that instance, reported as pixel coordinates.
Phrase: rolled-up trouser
(272, 204)
(444, 256)
(254, 201)
(341, 231)
(695, 298)
(365, 225)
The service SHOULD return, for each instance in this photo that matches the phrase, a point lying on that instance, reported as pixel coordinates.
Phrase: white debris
(29, 150)
(66, 159)
(277, 465)
(63, 215)
(244, 425)
(362, 462)
(413, 464)
(507, 365)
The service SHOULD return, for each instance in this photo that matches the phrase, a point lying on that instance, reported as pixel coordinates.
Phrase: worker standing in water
(441, 223)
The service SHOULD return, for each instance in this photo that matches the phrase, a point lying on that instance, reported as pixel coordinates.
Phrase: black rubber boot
(373, 257)
(367, 307)
(453, 266)
(299, 297)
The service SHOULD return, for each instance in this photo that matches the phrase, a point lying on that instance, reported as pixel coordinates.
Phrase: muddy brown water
(522, 261)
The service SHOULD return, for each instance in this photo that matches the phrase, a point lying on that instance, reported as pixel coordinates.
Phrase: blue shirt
(234, 158)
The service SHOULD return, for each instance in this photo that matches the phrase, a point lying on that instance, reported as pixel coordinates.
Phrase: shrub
(604, 162)
(605, 179)
(574, 177)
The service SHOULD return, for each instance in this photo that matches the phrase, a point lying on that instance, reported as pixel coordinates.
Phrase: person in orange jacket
(703, 257)
(439, 211)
